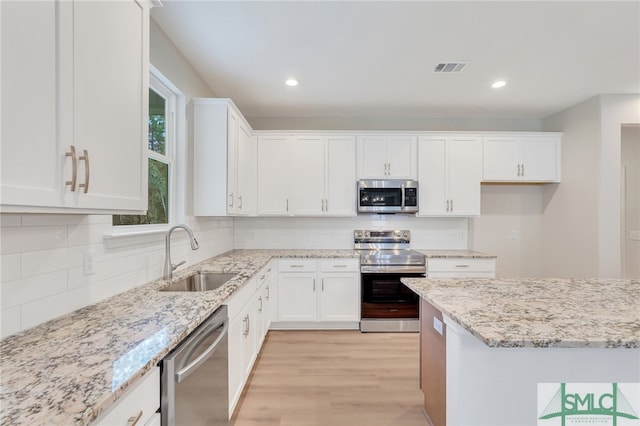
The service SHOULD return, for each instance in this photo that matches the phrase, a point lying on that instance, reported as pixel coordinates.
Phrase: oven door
(384, 296)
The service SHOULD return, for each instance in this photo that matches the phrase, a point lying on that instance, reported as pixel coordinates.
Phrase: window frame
(174, 156)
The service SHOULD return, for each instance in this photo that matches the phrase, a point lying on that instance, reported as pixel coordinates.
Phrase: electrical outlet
(89, 262)
(513, 235)
(634, 235)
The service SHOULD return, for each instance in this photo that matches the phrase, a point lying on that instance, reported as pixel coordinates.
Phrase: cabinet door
(432, 177)
(340, 176)
(401, 157)
(249, 337)
(539, 159)
(247, 171)
(307, 176)
(463, 176)
(501, 157)
(236, 338)
(339, 297)
(372, 157)
(33, 167)
(273, 175)
(297, 297)
(233, 161)
(110, 102)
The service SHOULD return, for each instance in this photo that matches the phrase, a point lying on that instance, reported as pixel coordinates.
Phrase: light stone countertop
(545, 313)
(71, 369)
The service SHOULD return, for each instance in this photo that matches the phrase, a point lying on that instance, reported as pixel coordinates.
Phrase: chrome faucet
(168, 266)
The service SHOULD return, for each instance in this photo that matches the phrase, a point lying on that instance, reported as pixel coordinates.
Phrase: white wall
(393, 123)
(582, 217)
(510, 226)
(630, 159)
(337, 233)
(42, 255)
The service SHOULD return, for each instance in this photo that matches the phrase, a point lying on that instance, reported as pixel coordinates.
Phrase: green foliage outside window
(158, 207)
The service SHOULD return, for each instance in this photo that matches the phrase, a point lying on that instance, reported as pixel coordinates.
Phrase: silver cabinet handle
(326, 205)
(85, 157)
(74, 168)
(287, 204)
(297, 266)
(268, 293)
(231, 200)
(245, 332)
(340, 266)
(133, 420)
(260, 306)
(262, 277)
(462, 266)
(522, 169)
(314, 284)
(240, 202)
(323, 284)
(452, 205)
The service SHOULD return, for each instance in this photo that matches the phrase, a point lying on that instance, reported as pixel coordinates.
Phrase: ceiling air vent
(449, 67)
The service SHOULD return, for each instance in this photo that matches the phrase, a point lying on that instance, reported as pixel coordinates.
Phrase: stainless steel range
(385, 257)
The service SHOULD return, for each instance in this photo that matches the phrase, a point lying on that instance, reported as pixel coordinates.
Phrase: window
(161, 153)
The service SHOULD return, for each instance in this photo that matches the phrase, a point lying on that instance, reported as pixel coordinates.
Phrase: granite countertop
(71, 369)
(446, 254)
(558, 313)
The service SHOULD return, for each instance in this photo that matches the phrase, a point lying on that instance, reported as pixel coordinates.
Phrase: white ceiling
(375, 59)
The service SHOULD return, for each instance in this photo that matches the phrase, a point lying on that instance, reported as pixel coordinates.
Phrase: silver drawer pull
(462, 266)
(85, 157)
(133, 420)
(339, 266)
(297, 266)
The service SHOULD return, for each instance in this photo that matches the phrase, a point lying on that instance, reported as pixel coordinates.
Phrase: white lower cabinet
(318, 294)
(461, 268)
(139, 405)
(247, 309)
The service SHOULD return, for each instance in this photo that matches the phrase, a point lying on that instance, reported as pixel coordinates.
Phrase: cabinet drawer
(461, 265)
(461, 274)
(340, 265)
(143, 397)
(297, 265)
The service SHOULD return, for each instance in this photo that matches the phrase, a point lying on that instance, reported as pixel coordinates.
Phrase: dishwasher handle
(188, 369)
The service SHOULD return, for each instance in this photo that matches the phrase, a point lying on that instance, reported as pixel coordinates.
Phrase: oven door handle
(395, 269)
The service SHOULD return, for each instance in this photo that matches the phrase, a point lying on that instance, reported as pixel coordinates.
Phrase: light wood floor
(334, 378)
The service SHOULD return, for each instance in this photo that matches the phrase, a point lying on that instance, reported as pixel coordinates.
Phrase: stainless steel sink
(200, 281)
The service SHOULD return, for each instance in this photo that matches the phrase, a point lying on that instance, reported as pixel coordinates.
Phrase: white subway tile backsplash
(11, 266)
(25, 239)
(42, 273)
(47, 308)
(25, 290)
(40, 262)
(10, 319)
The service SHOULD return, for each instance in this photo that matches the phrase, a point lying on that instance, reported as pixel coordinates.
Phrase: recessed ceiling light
(499, 84)
(291, 82)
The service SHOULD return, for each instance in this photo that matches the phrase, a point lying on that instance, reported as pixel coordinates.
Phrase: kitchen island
(489, 342)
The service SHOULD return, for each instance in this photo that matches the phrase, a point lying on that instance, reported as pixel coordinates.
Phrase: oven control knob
(367, 234)
(405, 234)
(358, 234)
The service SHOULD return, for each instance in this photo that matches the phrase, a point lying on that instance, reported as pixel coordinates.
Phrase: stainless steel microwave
(387, 196)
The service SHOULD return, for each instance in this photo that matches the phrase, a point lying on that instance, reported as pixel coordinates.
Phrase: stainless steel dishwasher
(194, 376)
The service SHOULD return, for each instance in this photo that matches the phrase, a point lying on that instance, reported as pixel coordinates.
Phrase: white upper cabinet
(80, 71)
(449, 175)
(306, 175)
(224, 160)
(340, 173)
(521, 158)
(387, 157)
(274, 169)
